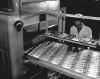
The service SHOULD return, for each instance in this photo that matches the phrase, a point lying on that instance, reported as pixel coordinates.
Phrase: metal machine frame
(56, 67)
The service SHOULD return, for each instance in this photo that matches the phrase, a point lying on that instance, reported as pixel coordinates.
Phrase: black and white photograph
(49, 39)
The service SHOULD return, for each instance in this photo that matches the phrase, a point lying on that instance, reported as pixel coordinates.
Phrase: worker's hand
(79, 37)
(87, 39)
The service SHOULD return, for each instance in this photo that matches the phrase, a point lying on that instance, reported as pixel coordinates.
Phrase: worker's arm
(72, 31)
(88, 33)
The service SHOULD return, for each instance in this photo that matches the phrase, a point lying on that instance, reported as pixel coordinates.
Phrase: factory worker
(80, 30)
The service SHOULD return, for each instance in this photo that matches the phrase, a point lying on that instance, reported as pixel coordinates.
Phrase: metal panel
(3, 35)
(15, 42)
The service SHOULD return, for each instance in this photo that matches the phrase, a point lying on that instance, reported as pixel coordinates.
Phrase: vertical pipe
(64, 18)
(59, 25)
(46, 23)
(64, 21)
(16, 6)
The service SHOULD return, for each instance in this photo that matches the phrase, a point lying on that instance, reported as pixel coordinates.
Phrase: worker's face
(78, 24)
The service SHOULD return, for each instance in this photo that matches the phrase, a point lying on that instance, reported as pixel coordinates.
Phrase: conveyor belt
(38, 51)
(59, 56)
(94, 66)
(60, 69)
(85, 62)
(69, 60)
(82, 62)
(47, 55)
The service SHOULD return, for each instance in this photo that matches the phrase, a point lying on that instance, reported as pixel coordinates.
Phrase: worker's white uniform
(85, 32)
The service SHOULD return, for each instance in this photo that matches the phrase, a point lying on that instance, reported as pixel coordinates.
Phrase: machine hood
(38, 6)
